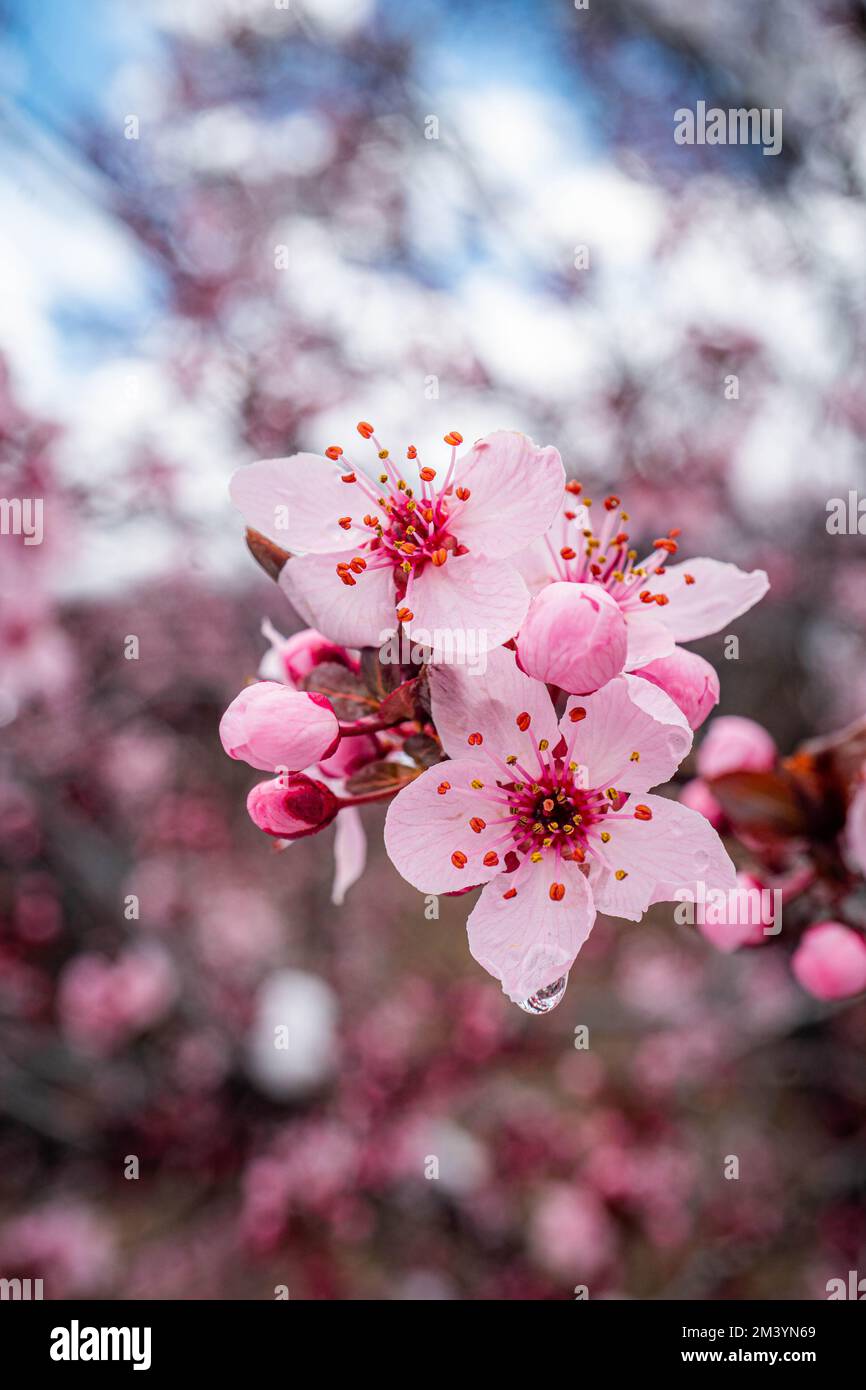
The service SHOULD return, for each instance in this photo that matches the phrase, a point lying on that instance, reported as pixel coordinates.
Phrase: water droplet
(545, 999)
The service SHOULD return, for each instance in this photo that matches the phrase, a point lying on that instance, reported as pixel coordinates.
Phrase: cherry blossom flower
(553, 816)
(662, 603)
(431, 553)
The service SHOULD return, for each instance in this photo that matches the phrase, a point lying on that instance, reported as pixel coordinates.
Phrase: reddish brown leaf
(400, 704)
(345, 690)
(763, 803)
(380, 776)
(380, 677)
(425, 751)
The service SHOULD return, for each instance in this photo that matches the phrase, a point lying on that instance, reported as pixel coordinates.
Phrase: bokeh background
(230, 230)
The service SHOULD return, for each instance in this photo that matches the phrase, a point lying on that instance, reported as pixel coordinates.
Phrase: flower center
(407, 527)
(605, 557)
(540, 804)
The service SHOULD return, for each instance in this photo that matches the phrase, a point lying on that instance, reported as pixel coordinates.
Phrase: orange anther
(477, 824)
(443, 788)
(428, 474)
(365, 429)
(345, 522)
(512, 893)
(463, 493)
(491, 858)
(576, 714)
(439, 557)
(454, 439)
(611, 503)
(333, 451)
(574, 488)
(567, 553)
(523, 721)
(557, 892)
(458, 859)
(405, 615)
(642, 813)
(347, 477)
(475, 740)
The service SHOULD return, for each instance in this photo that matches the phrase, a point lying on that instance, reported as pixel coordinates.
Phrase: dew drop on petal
(545, 999)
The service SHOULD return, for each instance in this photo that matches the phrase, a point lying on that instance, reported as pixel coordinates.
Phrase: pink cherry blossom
(573, 636)
(290, 659)
(690, 681)
(830, 961)
(662, 603)
(734, 744)
(553, 816)
(292, 806)
(272, 727)
(430, 553)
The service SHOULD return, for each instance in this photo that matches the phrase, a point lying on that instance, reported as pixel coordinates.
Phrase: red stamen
(333, 451)
(458, 859)
(365, 429)
(523, 721)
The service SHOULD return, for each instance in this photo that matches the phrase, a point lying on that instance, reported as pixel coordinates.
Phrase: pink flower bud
(830, 961)
(352, 754)
(305, 650)
(743, 925)
(271, 727)
(698, 797)
(735, 745)
(690, 681)
(573, 636)
(292, 806)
